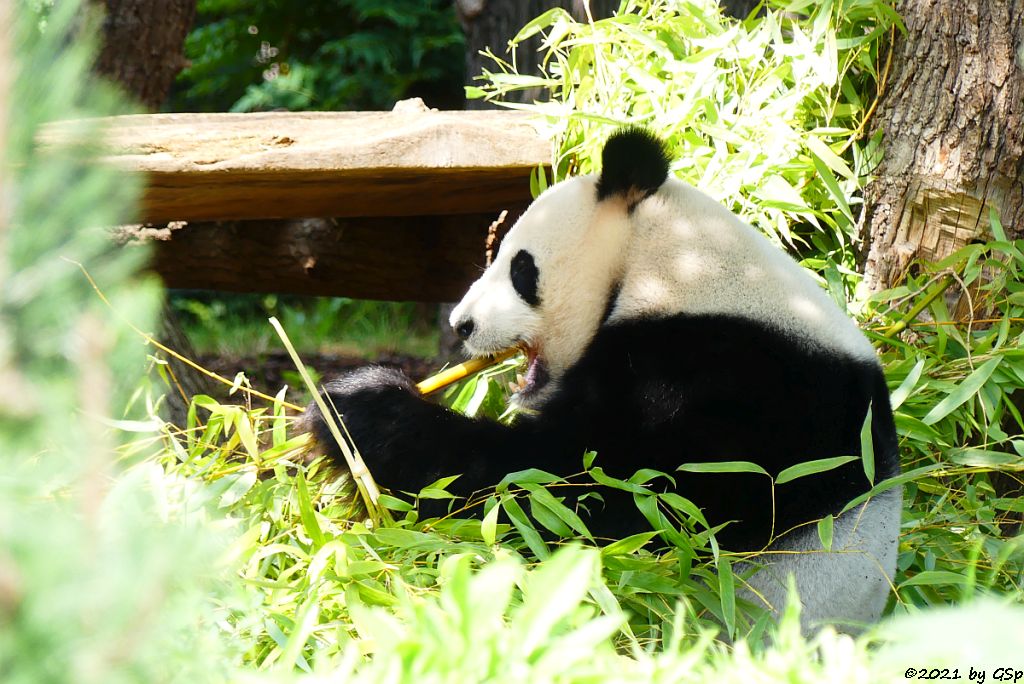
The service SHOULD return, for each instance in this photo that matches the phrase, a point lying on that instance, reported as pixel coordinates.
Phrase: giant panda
(661, 330)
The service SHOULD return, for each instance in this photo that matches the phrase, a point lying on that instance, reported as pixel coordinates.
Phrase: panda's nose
(464, 328)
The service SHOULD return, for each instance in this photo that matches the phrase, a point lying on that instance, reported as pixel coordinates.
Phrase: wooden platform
(411, 195)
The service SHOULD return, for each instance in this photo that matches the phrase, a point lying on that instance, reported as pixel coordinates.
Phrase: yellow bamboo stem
(455, 373)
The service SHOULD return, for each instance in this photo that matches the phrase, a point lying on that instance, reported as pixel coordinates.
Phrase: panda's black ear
(634, 164)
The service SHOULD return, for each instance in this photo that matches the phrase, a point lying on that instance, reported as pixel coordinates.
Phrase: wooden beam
(423, 258)
(345, 164)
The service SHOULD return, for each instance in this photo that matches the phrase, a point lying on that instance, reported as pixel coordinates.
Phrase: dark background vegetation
(245, 55)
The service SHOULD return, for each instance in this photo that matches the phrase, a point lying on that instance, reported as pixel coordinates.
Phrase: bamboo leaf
(306, 512)
(963, 392)
(489, 526)
(820, 465)
(628, 545)
(867, 447)
(727, 595)
(930, 577)
(723, 467)
(567, 516)
(525, 528)
(826, 527)
(897, 398)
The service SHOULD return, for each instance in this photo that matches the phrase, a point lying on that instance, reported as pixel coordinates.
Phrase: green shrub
(320, 54)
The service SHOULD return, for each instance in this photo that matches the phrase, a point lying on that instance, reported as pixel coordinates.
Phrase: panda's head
(555, 276)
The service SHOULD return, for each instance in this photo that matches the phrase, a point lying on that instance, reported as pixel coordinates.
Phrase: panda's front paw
(372, 402)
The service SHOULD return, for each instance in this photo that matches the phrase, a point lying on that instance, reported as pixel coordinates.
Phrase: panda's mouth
(534, 379)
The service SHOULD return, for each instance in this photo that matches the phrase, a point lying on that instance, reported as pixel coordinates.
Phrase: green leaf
(897, 398)
(833, 189)
(964, 391)
(648, 505)
(997, 226)
(243, 425)
(599, 476)
(240, 484)
(913, 428)
(433, 493)
(1015, 504)
(982, 457)
(546, 517)
(825, 528)
(727, 595)
(407, 539)
(394, 503)
(489, 526)
(820, 465)
(723, 467)
(684, 506)
(628, 545)
(306, 512)
(525, 528)
(540, 23)
(890, 483)
(931, 577)
(831, 159)
(528, 476)
(546, 499)
(867, 447)
(554, 590)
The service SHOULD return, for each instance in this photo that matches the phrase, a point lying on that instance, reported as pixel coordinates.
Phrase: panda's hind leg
(848, 586)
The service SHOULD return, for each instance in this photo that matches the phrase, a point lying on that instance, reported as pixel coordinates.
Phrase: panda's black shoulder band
(634, 164)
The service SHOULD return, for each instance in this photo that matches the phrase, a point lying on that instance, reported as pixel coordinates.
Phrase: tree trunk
(953, 123)
(143, 51)
(143, 45)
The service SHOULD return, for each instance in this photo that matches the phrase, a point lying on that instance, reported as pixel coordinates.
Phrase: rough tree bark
(143, 45)
(953, 122)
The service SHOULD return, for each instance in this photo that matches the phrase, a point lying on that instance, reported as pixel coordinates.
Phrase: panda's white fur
(847, 586)
(690, 254)
(678, 251)
(622, 270)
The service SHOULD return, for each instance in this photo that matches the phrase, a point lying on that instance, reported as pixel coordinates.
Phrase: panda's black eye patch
(524, 276)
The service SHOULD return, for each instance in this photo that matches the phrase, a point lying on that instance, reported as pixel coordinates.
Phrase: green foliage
(354, 54)
(762, 115)
(99, 576)
(236, 325)
(43, 298)
(956, 390)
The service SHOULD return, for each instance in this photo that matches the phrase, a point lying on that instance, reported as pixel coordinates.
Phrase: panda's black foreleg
(408, 442)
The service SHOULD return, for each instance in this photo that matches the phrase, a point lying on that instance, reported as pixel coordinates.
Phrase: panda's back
(690, 255)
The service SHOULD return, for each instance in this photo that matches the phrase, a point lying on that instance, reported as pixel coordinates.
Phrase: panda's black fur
(735, 392)
(650, 390)
(634, 164)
